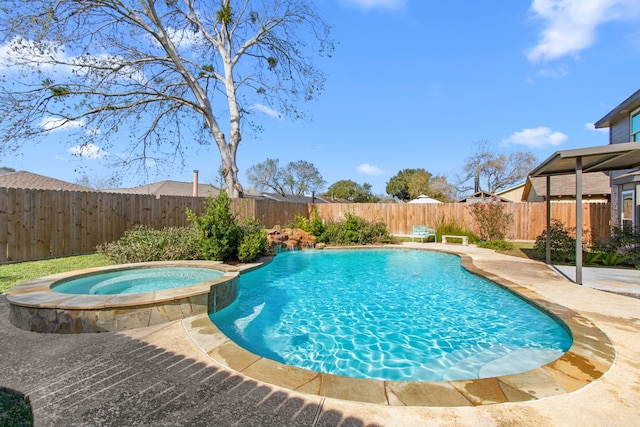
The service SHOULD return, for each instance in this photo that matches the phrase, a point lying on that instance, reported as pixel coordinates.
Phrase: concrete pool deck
(157, 375)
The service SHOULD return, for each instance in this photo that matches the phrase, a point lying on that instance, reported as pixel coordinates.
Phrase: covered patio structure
(578, 161)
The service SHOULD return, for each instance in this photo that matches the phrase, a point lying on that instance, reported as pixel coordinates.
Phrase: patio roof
(593, 159)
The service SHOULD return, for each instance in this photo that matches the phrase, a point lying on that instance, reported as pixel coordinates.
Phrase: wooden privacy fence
(40, 224)
(529, 219)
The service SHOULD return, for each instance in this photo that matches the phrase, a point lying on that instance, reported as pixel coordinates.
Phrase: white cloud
(53, 124)
(183, 38)
(26, 53)
(553, 73)
(570, 25)
(52, 58)
(90, 151)
(377, 4)
(266, 110)
(368, 169)
(536, 138)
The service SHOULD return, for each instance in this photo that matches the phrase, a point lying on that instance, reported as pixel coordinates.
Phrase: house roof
(169, 188)
(294, 199)
(593, 183)
(24, 179)
(506, 190)
(620, 112)
(481, 196)
(633, 176)
(424, 199)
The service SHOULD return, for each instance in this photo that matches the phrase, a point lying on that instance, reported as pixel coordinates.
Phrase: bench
(465, 239)
(422, 231)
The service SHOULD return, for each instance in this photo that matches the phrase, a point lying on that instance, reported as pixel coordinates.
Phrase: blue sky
(414, 83)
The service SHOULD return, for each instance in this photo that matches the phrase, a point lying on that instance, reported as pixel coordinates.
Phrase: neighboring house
(595, 188)
(170, 188)
(513, 194)
(624, 126)
(482, 197)
(23, 179)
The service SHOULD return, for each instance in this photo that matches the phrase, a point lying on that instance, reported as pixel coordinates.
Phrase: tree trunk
(230, 169)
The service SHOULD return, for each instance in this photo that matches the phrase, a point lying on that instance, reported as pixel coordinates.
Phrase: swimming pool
(388, 314)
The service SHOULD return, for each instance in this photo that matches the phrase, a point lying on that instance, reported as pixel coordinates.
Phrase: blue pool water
(387, 314)
(136, 280)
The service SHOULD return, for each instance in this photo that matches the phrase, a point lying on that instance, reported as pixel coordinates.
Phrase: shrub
(331, 233)
(300, 222)
(497, 245)
(450, 227)
(15, 408)
(253, 242)
(353, 230)
(141, 244)
(374, 232)
(316, 225)
(563, 244)
(219, 234)
(612, 259)
(624, 241)
(491, 219)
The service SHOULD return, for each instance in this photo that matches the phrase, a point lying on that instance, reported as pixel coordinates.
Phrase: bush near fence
(40, 224)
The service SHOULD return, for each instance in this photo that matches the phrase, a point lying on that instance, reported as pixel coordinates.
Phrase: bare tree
(266, 175)
(492, 172)
(175, 71)
(99, 182)
(295, 179)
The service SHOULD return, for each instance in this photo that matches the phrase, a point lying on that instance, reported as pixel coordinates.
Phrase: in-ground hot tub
(36, 306)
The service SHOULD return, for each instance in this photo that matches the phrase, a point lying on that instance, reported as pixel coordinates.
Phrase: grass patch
(12, 274)
(15, 409)
(521, 250)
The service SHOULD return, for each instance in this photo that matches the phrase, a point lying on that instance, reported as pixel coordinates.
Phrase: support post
(579, 220)
(548, 251)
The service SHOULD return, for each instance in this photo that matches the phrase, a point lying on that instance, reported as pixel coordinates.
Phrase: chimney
(195, 183)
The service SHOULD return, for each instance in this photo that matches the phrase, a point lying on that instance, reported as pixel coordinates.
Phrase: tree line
(486, 170)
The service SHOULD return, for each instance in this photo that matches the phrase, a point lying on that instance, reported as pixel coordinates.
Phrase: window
(635, 125)
(628, 205)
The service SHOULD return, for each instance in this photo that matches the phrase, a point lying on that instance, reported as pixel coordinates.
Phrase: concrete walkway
(158, 376)
(619, 280)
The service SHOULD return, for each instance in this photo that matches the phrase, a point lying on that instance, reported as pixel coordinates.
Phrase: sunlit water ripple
(387, 314)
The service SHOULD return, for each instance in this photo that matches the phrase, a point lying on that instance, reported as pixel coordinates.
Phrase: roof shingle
(23, 179)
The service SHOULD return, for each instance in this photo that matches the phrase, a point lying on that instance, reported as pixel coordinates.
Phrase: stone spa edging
(34, 306)
(590, 357)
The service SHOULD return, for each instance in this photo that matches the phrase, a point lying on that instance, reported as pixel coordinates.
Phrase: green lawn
(523, 250)
(12, 274)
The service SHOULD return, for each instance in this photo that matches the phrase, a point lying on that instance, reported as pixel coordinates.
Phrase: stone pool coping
(591, 355)
(34, 306)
